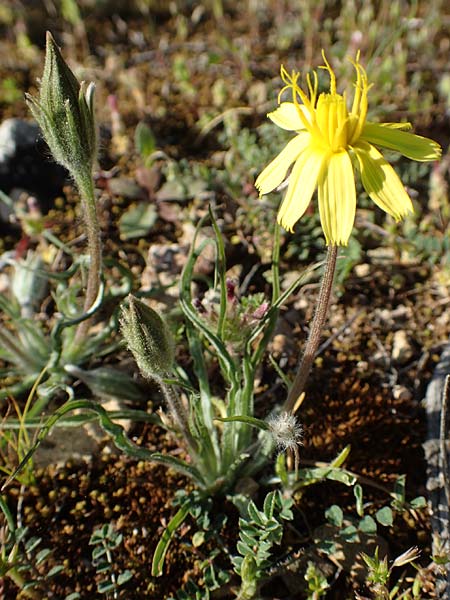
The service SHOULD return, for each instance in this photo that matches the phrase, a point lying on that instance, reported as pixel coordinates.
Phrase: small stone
(380, 358)
(362, 270)
(400, 392)
(381, 255)
(362, 366)
(386, 316)
(80, 506)
(390, 317)
(402, 350)
(67, 443)
(126, 187)
(278, 345)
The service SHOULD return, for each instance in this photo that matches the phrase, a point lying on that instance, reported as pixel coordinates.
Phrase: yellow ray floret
(330, 142)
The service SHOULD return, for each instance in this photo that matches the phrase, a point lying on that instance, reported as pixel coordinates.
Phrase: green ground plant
(22, 557)
(212, 418)
(104, 541)
(259, 530)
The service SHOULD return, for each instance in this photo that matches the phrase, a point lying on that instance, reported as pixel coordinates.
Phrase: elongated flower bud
(148, 338)
(65, 114)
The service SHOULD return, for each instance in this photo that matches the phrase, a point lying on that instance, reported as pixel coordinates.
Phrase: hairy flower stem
(178, 413)
(316, 330)
(86, 188)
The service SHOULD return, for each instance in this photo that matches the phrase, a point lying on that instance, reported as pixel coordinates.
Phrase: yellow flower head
(331, 141)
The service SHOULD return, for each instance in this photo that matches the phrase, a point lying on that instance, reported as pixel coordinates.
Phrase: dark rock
(26, 164)
(437, 454)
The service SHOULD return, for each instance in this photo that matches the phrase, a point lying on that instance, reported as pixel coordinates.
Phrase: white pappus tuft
(286, 431)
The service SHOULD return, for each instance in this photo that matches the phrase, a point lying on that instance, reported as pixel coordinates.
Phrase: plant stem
(178, 414)
(315, 332)
(86, 188)
(443, 437)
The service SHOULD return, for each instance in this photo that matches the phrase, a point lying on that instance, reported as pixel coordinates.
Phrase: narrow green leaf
(98, 552)
(272, 313)
(358, 492)
(281, 469)
(42, 555)
(205, 432)
(342, 476)
(254, 513)
(32, 543)
(269, 504)
(21, 534)
(8, 516)
(117, 434)
(253, 421)
(226, 362)
(341, 457)
(83, 418)
(399, 492)
(179, 465)
(313, 475)
(104, 587)
(54, 571)
(221, 272)
(163, 544)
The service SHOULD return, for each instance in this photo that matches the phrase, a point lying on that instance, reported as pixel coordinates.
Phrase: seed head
(286, 431)
(409, 556)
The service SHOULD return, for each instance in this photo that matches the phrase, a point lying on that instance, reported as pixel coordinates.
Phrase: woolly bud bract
(148, 338)
(65, 114)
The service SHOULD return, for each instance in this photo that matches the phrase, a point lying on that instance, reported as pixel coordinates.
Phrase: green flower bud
(65, 114)
(148, 338)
